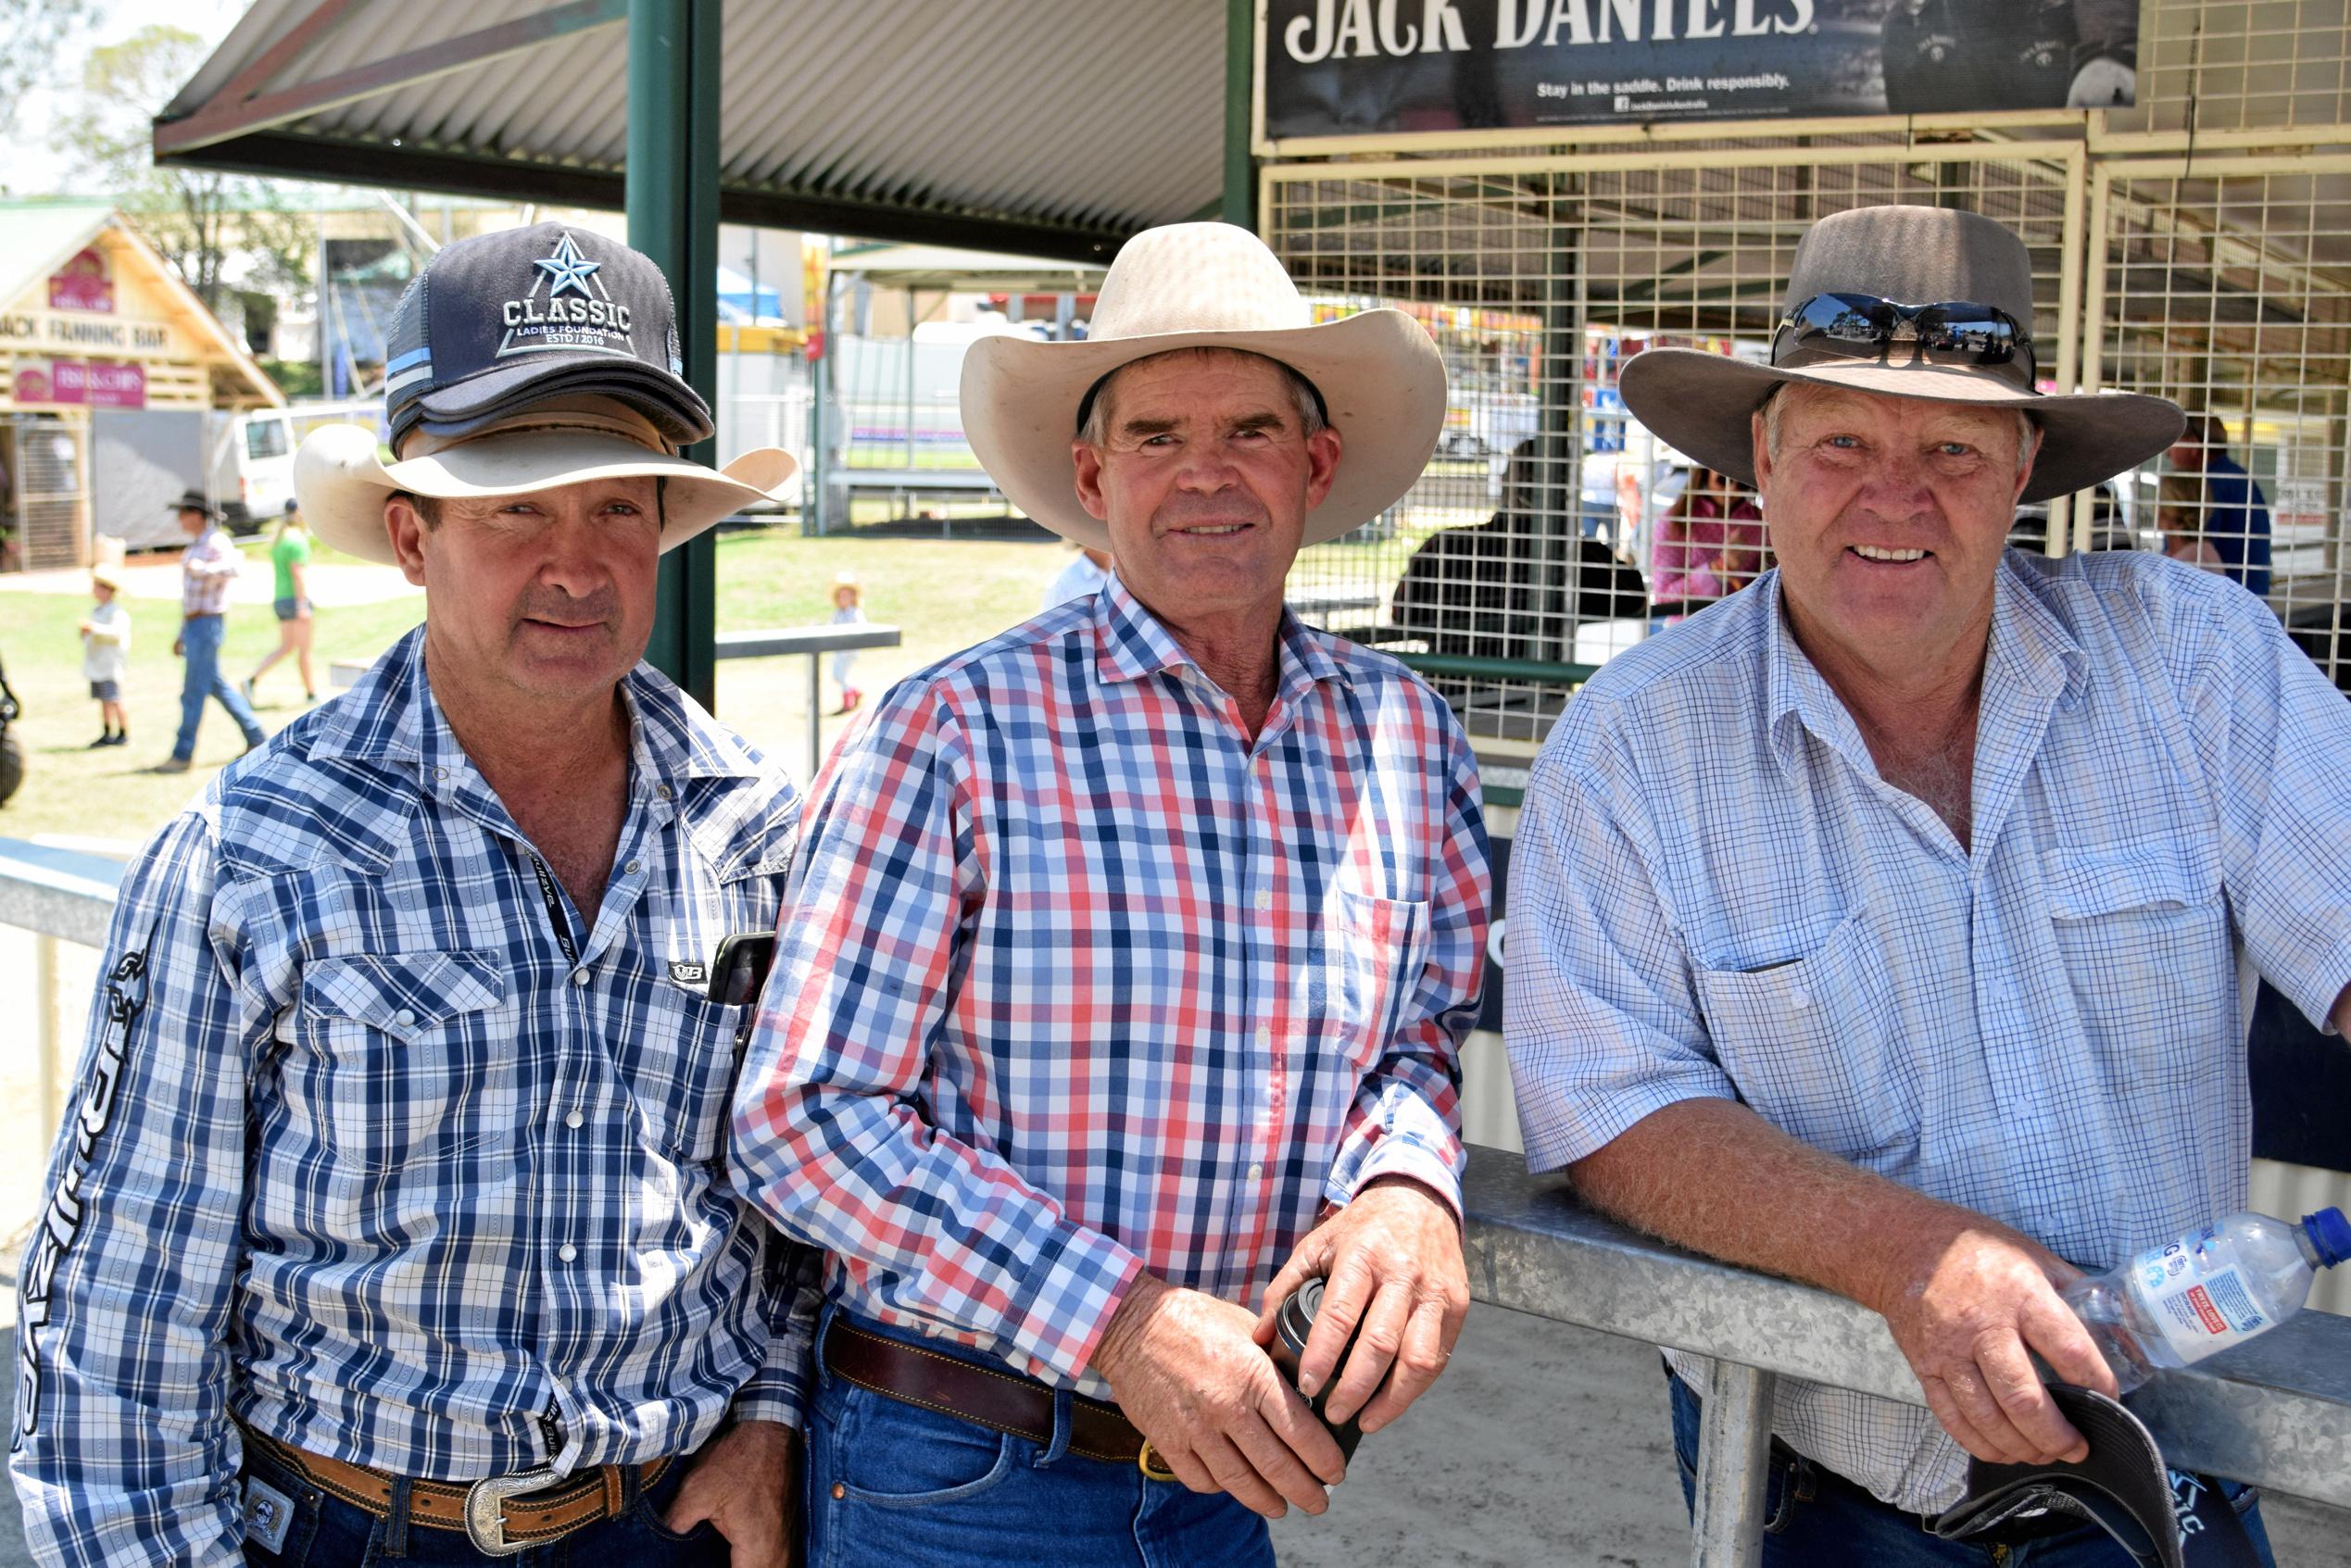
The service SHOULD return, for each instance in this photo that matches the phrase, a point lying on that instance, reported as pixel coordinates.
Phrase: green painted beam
(1240, 168)
(673, 216)
(1533, 672)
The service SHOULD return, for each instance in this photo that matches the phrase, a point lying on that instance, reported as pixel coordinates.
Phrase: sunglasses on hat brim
(1862, 326)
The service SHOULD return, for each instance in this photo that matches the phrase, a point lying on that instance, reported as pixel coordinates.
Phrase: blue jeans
(1814, 1516)
(326, 1532)
(200, 639)
(890, 1482)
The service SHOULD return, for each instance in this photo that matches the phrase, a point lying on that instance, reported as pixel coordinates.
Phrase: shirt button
(567, 1251)
(579, 977)
(663, 792)
(1256, 1171)
(1265, 900)
(404, 1018)
(1799, 997)
(574, 1120)
(630, 868)
(1265, 1035)
(440, 773)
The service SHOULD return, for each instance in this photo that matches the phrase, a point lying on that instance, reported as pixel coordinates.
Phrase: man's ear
(1089, 479)
(406, 527)
(1760, 450)
(1322, 464)
(2031, 455)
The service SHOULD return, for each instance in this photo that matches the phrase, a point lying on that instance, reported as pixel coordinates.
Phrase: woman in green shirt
(290, 555)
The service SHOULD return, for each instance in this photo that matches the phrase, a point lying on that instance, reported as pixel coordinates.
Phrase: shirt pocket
(1814, 1045)
(2143, 933)
(681, 1071)
(407, 1056)
(1363, 967)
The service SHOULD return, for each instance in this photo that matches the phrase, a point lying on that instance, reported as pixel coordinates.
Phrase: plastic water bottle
(2178, 1303)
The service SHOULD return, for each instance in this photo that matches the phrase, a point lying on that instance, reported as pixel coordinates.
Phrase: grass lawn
(945, 595)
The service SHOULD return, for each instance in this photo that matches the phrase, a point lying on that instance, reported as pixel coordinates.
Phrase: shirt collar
(392, 717)
(2029, 650)
(1134, 644)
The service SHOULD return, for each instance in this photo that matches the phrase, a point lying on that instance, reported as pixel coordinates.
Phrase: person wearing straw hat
(393, 1218)
(1886, 925)
(207, 571)
(106, 654)
(1121, 980)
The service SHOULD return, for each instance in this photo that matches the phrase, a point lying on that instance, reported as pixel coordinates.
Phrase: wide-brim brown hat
(341, 480)
(1703, 404)
(1208, 285)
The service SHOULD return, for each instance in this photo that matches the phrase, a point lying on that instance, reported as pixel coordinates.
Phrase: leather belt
(998, 1400)
(501, 1515)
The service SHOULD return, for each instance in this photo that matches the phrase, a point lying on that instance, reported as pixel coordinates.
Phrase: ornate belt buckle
(486, 1511)
(1154, 1467)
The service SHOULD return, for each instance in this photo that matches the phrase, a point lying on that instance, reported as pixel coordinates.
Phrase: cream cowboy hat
(1883, 261)
(341, 480)
(1208, 285)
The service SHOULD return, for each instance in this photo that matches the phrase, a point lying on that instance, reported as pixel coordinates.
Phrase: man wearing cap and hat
(1885, 925)
(392, 1218)
(207, 569)
(1122, 976)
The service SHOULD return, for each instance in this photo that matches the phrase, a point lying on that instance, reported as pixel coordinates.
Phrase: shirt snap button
(567, 1251)
(404, 1018)
(630, 868)
(579, 977)
(574, 1120)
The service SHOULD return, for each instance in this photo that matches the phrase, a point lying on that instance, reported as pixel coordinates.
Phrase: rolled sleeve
(2275, 738)
(1406, 1118)
(1600, 1019)
(124, 1450)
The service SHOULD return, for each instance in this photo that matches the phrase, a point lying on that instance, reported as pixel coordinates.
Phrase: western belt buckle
(485, 1509)
(1152, 1466)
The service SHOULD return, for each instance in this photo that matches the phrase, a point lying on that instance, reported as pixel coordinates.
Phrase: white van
(253, 477)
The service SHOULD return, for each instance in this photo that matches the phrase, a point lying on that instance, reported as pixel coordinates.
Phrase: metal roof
(1050, 127)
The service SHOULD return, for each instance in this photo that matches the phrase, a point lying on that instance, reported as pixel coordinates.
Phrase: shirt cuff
(1068, 1297)
(1397, 1156)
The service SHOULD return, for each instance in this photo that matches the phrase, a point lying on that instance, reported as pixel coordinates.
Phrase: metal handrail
(814, 642)
(2275, 1411)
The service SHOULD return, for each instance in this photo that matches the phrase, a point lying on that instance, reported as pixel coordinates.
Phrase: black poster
(1341, 68)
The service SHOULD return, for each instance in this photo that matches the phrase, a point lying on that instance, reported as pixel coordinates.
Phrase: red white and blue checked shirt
(1073, 978)
(207, 569)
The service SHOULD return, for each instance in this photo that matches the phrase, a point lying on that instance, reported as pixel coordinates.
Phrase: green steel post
(672, 211)
(1240, 169)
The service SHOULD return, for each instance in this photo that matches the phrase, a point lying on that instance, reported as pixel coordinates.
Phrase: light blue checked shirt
(363, 1158)
(1716, 895)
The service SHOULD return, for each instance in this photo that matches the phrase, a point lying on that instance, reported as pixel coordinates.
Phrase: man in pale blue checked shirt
(1885, 925)
(391, 1220)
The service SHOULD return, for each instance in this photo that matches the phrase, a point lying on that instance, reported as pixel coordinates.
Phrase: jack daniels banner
(1351, 67)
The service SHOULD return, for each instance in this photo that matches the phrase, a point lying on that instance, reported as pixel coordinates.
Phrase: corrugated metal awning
(1049, 127)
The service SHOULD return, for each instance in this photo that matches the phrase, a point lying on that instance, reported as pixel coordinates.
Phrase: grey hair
(1094, 428)
(1773, 405)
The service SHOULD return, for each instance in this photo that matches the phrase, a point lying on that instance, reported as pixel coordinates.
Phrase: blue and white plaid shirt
(365, 1159)
(1716, 895)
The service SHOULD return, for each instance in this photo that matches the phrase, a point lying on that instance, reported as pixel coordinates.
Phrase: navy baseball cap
(501, 321)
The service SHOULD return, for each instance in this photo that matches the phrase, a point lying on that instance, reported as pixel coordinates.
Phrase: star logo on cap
(568, 268)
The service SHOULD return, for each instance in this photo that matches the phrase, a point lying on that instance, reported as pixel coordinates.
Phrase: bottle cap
(2331, 1234)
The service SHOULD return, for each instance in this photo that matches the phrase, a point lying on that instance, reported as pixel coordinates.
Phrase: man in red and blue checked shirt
(1121, 977)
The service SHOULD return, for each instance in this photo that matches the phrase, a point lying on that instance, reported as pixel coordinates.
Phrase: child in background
(105, 655)
(848, 601)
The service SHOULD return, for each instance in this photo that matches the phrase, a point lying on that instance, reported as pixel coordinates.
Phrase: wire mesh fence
(2196, 245)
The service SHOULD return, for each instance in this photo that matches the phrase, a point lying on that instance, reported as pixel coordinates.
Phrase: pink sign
(32, 384)
(98, 384)
(82, 283)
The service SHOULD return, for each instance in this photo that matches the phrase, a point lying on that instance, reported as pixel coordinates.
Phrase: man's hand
(1393, 1259)
(1967, 1303)
(1190, 1376)
(179, 648)
(743, 1482)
